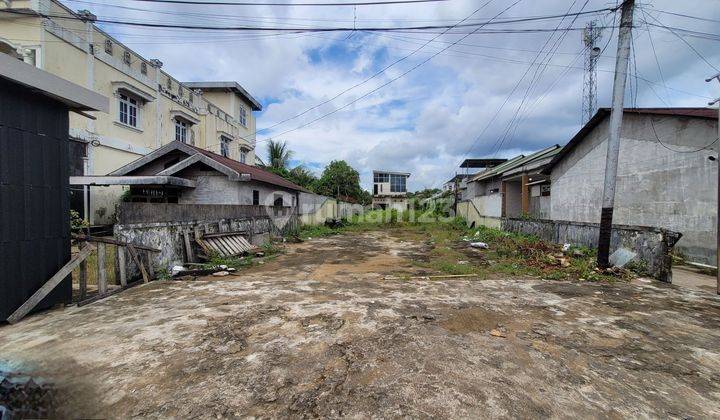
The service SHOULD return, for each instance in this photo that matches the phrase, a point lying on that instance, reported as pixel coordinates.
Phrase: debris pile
(22, 396)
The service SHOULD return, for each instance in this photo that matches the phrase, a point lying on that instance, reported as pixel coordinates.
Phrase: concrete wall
(656, 187)
(468, 211)
(163, 226)
(316, 209)
(540, 207)
(216, 188)
(651, 245)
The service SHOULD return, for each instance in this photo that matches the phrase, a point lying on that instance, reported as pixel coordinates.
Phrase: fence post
(102, 274)
(122, 265)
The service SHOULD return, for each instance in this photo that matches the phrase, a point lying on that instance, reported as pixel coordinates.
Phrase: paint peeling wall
(651, 245)
(671, 189)
(134, 226)
(316, 209)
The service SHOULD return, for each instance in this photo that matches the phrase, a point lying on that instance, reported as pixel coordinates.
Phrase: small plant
(77, 223)
(163, 274)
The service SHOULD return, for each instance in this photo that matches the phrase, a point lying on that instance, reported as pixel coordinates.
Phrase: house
(34, 227)
(513, 188)
(454, 182)
(148, 109)
(390, 190)
(180, 173)
(665, 178)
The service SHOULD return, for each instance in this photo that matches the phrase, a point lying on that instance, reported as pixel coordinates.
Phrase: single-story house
(184, 174)
(665, 177)
(513, 188)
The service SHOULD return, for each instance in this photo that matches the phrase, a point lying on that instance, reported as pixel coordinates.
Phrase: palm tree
(278, 153)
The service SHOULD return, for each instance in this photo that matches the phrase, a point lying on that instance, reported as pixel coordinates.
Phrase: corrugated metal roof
(517, 162)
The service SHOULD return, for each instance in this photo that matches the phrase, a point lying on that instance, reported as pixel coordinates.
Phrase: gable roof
(234, 87)
(235, 170)
(256, 173)
(602, 113)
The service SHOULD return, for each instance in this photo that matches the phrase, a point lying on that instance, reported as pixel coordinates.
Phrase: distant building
(390, 190)
(148, 106)
(454, 182)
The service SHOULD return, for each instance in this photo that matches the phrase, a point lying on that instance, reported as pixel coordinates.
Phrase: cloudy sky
(485, 95)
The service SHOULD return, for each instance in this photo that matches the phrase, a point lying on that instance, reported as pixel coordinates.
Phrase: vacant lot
(340, 326)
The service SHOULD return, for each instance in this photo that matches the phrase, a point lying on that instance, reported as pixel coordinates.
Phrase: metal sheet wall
(34, 202)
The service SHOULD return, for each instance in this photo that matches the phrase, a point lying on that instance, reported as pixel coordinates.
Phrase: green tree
(340, 179)
(278, 154)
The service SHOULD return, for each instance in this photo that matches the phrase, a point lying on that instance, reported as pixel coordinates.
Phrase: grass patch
(449, 239)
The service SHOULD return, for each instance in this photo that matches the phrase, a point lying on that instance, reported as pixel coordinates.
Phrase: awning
(132, 180)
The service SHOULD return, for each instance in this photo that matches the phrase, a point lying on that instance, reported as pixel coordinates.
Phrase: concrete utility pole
(717, 218)
(616, 117)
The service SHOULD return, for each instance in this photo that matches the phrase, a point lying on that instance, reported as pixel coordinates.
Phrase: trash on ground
(481, 245)
(221, 273)
(621, 257)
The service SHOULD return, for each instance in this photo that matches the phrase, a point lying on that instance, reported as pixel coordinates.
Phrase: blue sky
(429, 120)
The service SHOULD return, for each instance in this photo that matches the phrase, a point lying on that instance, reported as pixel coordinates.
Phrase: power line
(684, 41)
(687, 16)
(385, 84)
(229, 3)
(301, 29)
(381, 71)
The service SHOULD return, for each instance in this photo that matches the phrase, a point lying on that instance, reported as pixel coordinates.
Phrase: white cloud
(426, 121)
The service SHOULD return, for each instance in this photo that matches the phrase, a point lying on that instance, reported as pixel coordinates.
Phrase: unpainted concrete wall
(168, 235)
(473, 217)
(316, 209)
(651, 245)
(216, 188)
(670, 189)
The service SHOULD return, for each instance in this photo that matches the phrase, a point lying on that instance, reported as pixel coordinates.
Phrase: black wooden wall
(34, 201)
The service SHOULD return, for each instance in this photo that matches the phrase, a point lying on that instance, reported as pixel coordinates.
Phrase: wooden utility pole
(616, 117)
(717, 216)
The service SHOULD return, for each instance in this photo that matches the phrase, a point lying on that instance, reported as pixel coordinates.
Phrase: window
(108, 46)
(243, 154)
(181, 130)
(180, 91)
(380, 177)
(91, 48)
(169, 83)
(225, 146)
(126, 57)
(243, 116)
(128, 110)
(278, 202)
(256, 198)
(143, 68)
(397, 183)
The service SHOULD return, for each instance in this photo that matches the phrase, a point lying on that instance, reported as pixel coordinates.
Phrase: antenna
(590, 37)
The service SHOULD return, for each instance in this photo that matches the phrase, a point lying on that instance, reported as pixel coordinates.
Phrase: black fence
(34, 203)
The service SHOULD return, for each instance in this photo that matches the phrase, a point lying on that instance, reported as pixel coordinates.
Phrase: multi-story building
(148, 107)
(390, 190)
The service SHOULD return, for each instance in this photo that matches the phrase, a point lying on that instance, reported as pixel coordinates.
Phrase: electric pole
(616, 117)
(717, 220)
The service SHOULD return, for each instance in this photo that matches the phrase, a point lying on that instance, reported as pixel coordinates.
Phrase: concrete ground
(321, 332)
(693, 278)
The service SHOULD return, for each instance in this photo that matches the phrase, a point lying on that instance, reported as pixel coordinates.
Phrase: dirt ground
(334, 328)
